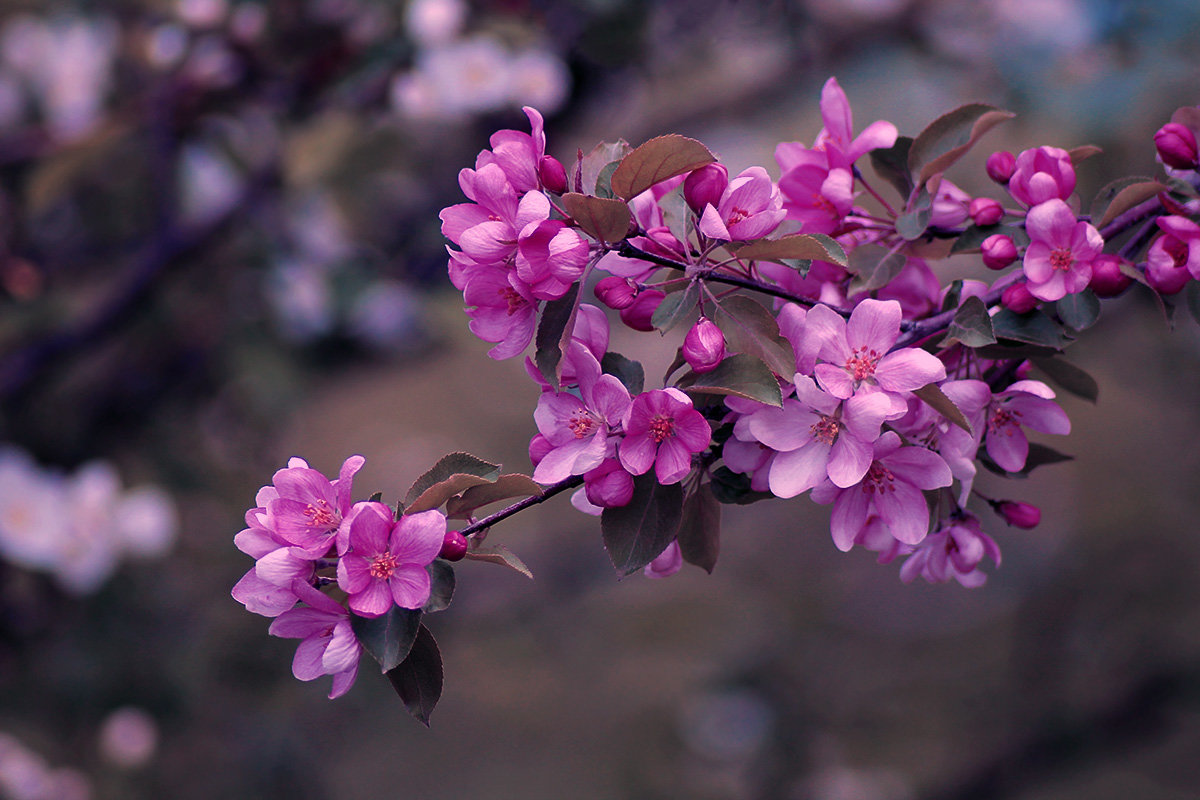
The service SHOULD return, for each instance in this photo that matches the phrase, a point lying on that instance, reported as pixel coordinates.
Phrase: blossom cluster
(305, 526)
(78, 527)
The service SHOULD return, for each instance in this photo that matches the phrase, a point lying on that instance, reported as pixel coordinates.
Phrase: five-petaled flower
(387, 558)
(663, 430)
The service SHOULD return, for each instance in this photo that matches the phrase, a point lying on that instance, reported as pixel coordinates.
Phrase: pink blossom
(501, 309)
(1041, 174)
(329, 646)
(1107, 278)
(1059, 258)
(663, 431)
(267, 595)
(666, 563)
(1024, 403)
(704, 186)
(309, 507)
(891, 489)
(838, 133)
(578, 426)
(550, 257)
(750, 208)
(856, 352)
(954, 552)
(1179, 246)
(814, 193)
(1000, 166)
(951, 206)
(704, 346)
(519, 154)
(999, 250)
(387, 558)
(1176, 146)
(608, 485)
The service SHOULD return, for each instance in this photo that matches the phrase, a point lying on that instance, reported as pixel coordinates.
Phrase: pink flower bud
(539, 446)
(1020, 515)
(454, 546)
(705, 186)
(704, 346)
(608, 485)
(1000, 166)
(552, 174)
(616, 293)
(998, 251)
(1023, 369)
(1107, 278)
(639, 314)
(1016, 298)
(985, 211)
(1176, 145)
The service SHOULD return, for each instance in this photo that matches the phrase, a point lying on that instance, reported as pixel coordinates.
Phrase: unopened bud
(640, 313)
(704, 346)
(539, 446)
(608, 485)
(998, 250)
(1000, 166)
(616, 293)
(552, 175)
(1017, 299)
(1017, 514)
(454, 546)
(705, 186)
(985, 211)
(1107, 278)
(1176, 145)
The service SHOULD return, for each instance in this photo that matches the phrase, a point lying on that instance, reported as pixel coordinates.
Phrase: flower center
(822, 202)
(737, 215)
(513, 298)
(320, 515)
(1003, 421)
(862, 362)
(582, 424)
(1177, 250)
(1061, 258)
(825, 430)
(382, 566)
(878, 479)
(661, 427)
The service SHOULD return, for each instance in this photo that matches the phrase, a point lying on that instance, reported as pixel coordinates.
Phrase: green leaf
(1079, 311)
(733, 488)
(376, 498)
(604, 179)
(874, 267)
(447, 468)
(891, 164)
(1032, 328)
(629, 372)
(443, 491)
(608, 221)
(634, 534)
(1121, 195)
(418, 679)
(441, 586)
(596, 162)
(513, 484)
(1039, 456)
(387, 638)
(557, 320)
(658, 159)
(1069, 377)
(676, 307)
(911, 225)
(933, 396)
(740, 375)
(499, 554)
(949, 137)
(802, 246)
(971, 239)
(971, 325)
(751, 329)
(700, 528)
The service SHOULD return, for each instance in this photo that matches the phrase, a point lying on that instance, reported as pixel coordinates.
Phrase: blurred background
(219, 248)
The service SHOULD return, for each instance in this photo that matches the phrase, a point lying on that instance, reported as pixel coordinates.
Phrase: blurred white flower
(468, 76)
(539, 79)
(434, 22)
(33, 522)
(210, 183)
(300, 296)
(202, 13)
(128, 737)
(24, 775)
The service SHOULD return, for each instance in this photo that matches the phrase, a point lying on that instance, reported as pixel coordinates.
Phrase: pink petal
(908, 369)
(904, 511)
(417, 538)
(674, 461)
(849, 460)
(306, 665)
(410, 586)
(849, 517)
(637, 453)
(373, 601)
(874, 324)
(798, 470)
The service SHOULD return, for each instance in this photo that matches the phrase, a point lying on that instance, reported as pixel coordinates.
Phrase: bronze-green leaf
(635, 533)
(418, 679)
(933, 396)
(1127, 197)
(950, 136)
(658, 159)
(740, 375)
(700, 529)
(793, 246)
(513, 484)
(605, 220)
(752, 329)
(387, 638)
(499, 554)
(1069, 377)
(447, 467)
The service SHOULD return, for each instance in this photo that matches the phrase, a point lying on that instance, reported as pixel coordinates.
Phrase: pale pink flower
(309, 507)
(663, 430)
(954, 552)
(501, 309)
(750, 208)
(1059, 258)
(387, 558)
(1024, 403)
(329, 646)
(838, 133)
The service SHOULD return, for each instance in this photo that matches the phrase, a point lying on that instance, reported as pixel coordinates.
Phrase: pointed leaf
(933, 396)
(1039, 455)
(658, 159)
(447, 467)
(637, 532)
(950, 136)
(387, 638)
(891, 164)
(1032, 328)
(700, 528)
(1079, 311)
(629, 372)
(1083, 152)
(554, 327)
(874, 267)
(971, 325)
(604, 179)
(740, 375)
(607, 221)
(513, 484)
(1124, 198)
(441, 586)
(676, 307)
(442, 491)
(802, 246)
(733, 488)
(418, 679)
(589, 167)
(1069, 377)
(499, 554)
(751, 329)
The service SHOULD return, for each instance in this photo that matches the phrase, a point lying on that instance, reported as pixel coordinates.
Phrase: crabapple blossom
(666, 563)
(1176, 146)
(328, 645)
(953, 552)
(1059, 258)
(309, 507)
(704, 346)
(577, 427)
(663, 431)
(750, 208)
(1000, 166)
(998, 251)
(1025, 403)
(1108, 280)
(1041, 174)
(386, 562)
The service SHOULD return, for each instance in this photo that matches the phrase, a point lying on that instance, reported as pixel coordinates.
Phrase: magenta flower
(387, 558)
(1028, 403)
(817, 196)
(1041, 174)
(819, 436)
(608, 485)
(662, 430)
(258, 594)
(520, 155)
(857, 354)
(666, 563)
(309, 507)
(1179, 246)
(550, 257)
(838, 134)
(890, 489)
(329, 646)
(750, 208)
(501, 310)
(952, 553)
(1059, 258)
(577, 427)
